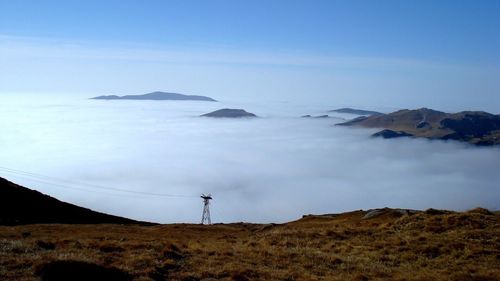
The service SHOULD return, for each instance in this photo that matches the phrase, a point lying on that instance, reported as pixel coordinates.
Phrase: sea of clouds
(274, 168)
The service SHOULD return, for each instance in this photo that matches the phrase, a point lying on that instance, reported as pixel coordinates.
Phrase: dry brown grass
(431, 245)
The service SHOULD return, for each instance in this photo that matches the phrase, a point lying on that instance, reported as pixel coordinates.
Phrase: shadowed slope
(20, 205)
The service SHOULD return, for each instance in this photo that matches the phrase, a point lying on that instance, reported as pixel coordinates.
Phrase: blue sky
(440, 49)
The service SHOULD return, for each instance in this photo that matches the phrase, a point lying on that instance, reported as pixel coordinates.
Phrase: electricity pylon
(206, 209)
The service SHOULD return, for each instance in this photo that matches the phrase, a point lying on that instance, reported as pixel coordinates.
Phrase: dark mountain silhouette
(20, 205)
(475, 127)
(229, 113)
(355, 111)
(156, 96)
(390, 134)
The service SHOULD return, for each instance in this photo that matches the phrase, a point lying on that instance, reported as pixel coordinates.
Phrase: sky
(394, 54)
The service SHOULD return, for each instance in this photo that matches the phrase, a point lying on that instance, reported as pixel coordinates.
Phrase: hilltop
(229, 113)
(20, 205)
(155, 96)
(383, 244)
(475, 127)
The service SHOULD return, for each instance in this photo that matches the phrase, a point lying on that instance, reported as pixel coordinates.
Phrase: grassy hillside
(475, 127)
(378, 245)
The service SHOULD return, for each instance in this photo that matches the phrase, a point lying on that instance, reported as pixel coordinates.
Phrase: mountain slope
(475, 127)
(20, 205)
(355, 111)
(155, 96)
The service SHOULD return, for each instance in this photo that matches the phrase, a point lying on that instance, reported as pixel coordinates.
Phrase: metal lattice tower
(206, 209)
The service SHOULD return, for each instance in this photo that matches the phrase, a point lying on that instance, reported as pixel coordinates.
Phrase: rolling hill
(229, 113)
(475, 127)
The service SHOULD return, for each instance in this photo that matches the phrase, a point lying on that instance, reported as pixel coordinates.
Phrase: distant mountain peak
(158, 95)
(355, 111)
(229, 113)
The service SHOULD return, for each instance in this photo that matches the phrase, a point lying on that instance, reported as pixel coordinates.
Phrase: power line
(57, 185)
(57, 182)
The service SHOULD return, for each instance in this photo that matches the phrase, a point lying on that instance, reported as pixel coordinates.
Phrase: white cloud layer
(271, 169)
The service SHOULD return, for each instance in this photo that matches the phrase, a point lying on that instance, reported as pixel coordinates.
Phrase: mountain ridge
(355, 111)
(475, 127)
(158, 95)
